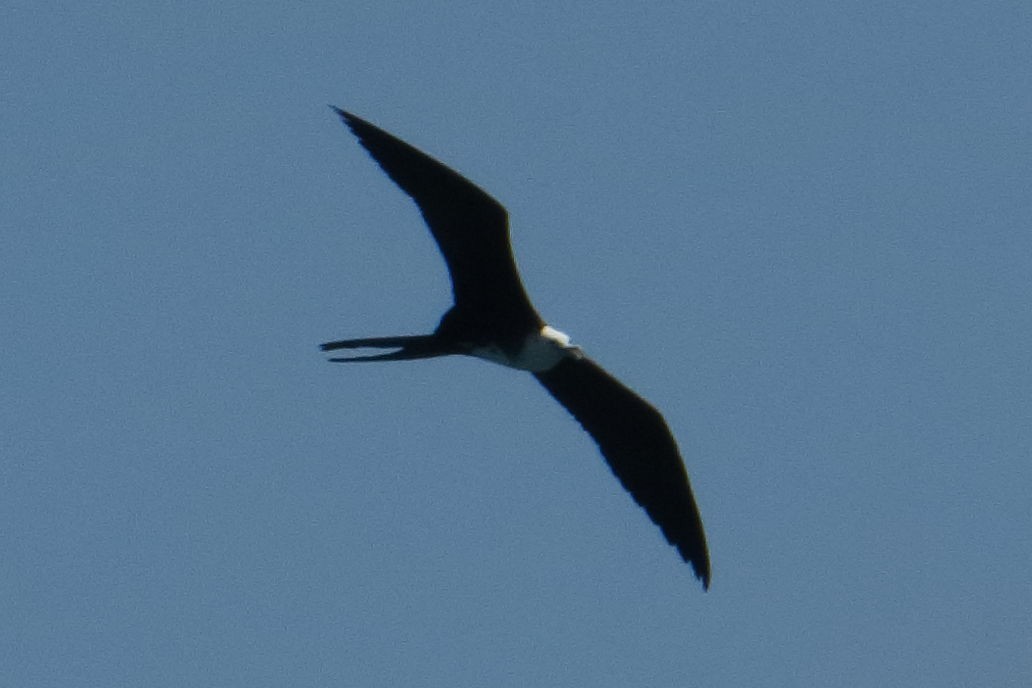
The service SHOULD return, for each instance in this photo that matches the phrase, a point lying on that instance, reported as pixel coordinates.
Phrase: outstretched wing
(470, 227)
(639, 447)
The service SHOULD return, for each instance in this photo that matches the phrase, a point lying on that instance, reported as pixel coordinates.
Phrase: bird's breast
(539, 351)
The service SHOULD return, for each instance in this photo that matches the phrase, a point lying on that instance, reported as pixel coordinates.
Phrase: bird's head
(560, 341)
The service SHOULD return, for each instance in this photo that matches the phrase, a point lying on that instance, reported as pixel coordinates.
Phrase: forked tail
(409, 347)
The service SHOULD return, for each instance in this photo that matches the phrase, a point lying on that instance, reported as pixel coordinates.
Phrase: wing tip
(348, 118)
(699, 561)
(703, 574)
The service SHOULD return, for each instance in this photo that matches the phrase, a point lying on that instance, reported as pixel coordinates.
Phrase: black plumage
(492, 312)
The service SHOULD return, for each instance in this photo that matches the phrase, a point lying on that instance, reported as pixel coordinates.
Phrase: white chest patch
(540, 351)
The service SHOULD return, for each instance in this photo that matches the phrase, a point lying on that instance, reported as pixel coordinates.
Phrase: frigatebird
(492, 318)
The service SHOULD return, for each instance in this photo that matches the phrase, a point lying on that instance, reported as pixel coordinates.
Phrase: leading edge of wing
(470, 227)
(640, 450)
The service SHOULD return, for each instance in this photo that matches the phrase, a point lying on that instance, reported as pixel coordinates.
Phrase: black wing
(637, 443)
(470, 227)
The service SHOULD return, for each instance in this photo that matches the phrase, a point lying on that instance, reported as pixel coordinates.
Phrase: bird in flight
(492, 318)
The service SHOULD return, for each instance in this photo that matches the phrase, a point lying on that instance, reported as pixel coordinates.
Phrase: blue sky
(801, 230)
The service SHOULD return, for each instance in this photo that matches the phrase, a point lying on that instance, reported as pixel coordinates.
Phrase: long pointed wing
(639, 447)
(470, 227)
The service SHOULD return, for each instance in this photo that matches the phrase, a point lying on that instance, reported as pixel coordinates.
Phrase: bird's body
(539, 351)
(492, 318)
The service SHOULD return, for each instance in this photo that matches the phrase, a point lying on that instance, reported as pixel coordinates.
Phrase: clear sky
(801, 229)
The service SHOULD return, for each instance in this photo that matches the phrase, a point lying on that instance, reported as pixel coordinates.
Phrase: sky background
(801, 229)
